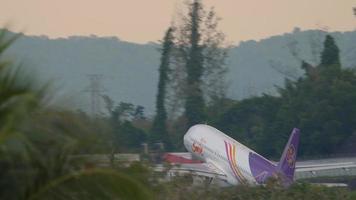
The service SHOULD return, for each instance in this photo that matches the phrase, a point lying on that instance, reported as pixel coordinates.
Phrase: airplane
(220, 156)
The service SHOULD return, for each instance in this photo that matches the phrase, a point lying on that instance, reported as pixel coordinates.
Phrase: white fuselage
(228, 155)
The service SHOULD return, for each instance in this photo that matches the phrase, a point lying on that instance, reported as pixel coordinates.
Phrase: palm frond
(93, 184)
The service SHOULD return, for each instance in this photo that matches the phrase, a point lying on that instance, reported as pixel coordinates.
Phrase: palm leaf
(93, 184)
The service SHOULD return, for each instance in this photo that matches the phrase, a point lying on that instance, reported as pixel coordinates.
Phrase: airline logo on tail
(290, 157)
(231, 155)
(286, 164)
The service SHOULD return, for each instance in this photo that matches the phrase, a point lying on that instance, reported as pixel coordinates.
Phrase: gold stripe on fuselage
(235, 165)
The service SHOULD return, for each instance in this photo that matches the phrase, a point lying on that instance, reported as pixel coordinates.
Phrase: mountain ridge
(130, 71)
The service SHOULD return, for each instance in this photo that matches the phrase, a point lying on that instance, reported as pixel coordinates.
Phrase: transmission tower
(95, 89)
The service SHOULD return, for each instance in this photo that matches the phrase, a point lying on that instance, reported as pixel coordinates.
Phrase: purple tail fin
(287, 163)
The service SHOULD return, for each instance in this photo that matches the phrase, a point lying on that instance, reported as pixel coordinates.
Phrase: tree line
(320, 102)
(192, 89)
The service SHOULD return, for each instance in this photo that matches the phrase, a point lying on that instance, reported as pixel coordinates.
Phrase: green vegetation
(191, 73)
(126, 128)
(93, 184)
(38, 142)
(321, 104)
(194, 102)
(330, 55)
(271, 191)
(159, 126)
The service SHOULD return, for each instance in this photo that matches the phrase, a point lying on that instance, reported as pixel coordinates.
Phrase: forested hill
(130, 71)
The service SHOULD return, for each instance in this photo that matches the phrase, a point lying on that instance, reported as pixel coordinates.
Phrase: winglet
(287, 163)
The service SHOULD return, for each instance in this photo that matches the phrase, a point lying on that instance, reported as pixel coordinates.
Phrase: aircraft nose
(187, 139)
(193, 132)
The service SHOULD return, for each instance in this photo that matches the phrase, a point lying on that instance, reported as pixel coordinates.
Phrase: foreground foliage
(180, 188)
(36, 143)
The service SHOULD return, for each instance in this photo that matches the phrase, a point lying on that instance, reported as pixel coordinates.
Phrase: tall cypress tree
(330, 54)
(194, 104)
(159, 129)
(196, 81)
(330, 66)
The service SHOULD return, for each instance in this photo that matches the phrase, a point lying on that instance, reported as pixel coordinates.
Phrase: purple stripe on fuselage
(261, 169)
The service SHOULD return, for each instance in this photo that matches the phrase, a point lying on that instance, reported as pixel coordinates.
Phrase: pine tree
(194, 104)
(159, 129)
(330, 54)
(330, 66)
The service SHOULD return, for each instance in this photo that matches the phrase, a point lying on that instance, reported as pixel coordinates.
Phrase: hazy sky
(146, 20)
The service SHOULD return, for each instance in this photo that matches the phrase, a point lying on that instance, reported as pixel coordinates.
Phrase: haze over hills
(130, 71)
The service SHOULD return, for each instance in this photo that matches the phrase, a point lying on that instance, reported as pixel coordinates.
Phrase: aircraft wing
(325, 168)
(182, 163)
(202, 169)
